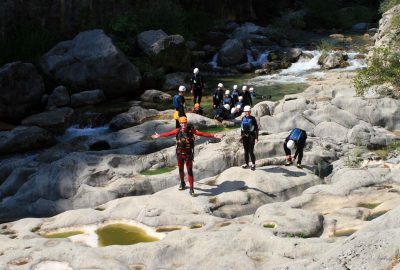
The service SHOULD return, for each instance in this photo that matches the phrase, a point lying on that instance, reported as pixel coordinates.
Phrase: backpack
(175, 101)
(247, 124)
(295, 134)
(185, 140)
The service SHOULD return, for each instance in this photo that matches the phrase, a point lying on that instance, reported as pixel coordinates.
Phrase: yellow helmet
(197, 105)
(182, 119)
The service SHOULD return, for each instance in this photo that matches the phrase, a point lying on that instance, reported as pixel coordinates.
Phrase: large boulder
(388, 32)
(57, 120)
(91, 61)
(87, 98)
(174, 80)
(147, 39)
(21, 91)
(231, 53)
(59, 97)
(133, 117)
(333, 60)
(171, 53)
(156, 96)
(24, 139)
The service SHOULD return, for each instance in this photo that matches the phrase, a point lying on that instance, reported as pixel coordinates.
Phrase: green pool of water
(122, 234)
(63, 234)
(157, 171)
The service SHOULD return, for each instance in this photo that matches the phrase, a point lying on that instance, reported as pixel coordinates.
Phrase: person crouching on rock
(296, 139)
(249, 133)
(185, 149)
(197, 109)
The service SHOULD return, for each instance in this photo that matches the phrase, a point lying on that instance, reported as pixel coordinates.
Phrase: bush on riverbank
(383, 67)
(387, 4)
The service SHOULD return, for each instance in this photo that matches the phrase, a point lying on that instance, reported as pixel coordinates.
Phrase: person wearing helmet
(240, 103)
(179, 104)
(296, 139)
(218, 96)
(246, 96)
(249, 135)
(227, 99)
(235, 94)
(253, 93)
(185, 149)
(236, 111)
(196, 86)
(197, 109)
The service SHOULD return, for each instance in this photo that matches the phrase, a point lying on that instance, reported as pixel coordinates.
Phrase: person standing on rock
(179, 103)
(185, 149)
(249, 136)
(196, 86)
(296, 139)
(246, 96)
(218, 96)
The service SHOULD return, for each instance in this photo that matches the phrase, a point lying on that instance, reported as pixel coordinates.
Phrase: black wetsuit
(299, 137)
(249, 133)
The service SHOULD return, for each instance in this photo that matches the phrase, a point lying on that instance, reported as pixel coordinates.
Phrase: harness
(185, 144)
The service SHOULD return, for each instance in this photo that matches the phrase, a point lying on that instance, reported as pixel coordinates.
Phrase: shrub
(388, 4)
(383, 67)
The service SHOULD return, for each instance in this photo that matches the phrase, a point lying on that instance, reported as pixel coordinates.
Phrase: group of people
(185, 132)
(229, 105)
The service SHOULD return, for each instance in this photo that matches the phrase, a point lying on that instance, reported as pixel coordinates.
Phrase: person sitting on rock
(249, 136)
(296, 139)
(224, 113)
(197, 109)
(185, 149)
(227, 99)
(179, 104)
(240, 103)
(236, 111)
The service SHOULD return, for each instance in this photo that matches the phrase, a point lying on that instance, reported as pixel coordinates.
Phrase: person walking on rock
(179, 103)
(196, 86)
(249, 133)
(185, 149)
(296, 139)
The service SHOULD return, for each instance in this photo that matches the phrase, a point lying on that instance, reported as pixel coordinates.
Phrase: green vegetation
(384, 67)
(122, 234)
(296, 234)
(196, 226)
(368, 205)
(157, 171)
(376, 215)
(269, 225)
(26, 42)
(384, 152)
(388, 4)
(63, 234)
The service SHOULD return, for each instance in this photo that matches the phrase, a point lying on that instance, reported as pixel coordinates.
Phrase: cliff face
(72, 16)
(389, 30)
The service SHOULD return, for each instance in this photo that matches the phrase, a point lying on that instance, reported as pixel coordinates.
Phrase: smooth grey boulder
(134, 116)
(23, 139)
(91, 61)
(333, 60)
(147, 39)
(231, 53)
(285, 121)
(174, 80)
(330, 113)
(87, 98)
(332, 131)
(56, 120)
(16, 179)
(156, 96)
(60, 97)
(293, 105)
(171, 53)
(384, 112)
(21, 91)
(387, 35)
(364, 134)
(285, 221)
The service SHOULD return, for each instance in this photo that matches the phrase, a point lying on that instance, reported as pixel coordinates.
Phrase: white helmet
(244, 88)
(290, 144)
(233, 110)
(235, 87)
(220, 85)
(238, 106)
(240, 97)
(182, 88)
(226, 106)
(196, 71)
(227, 92)
(247, 108)
(251, 89)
